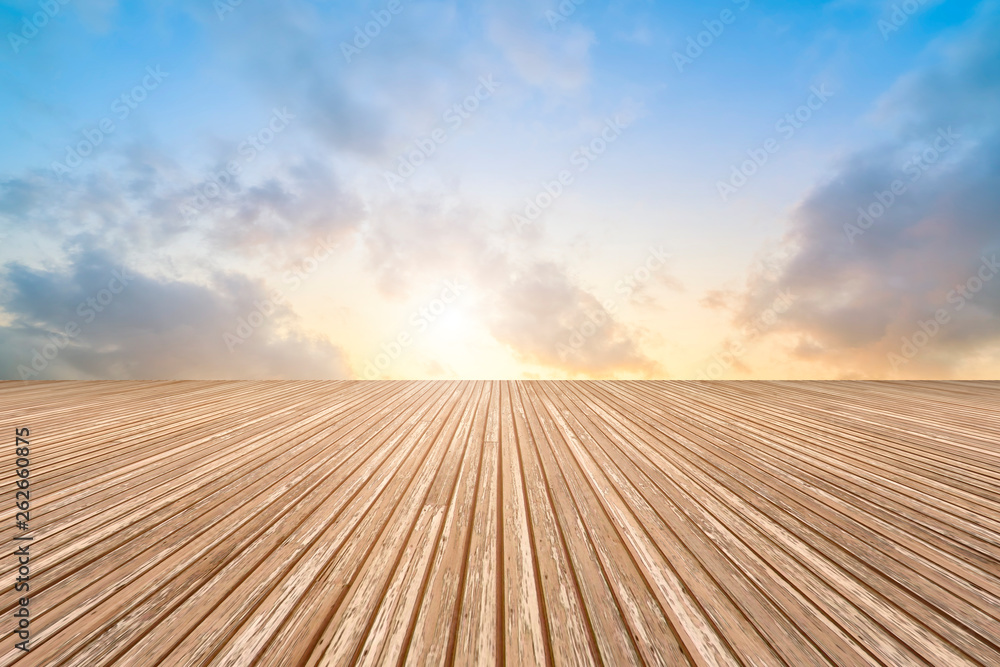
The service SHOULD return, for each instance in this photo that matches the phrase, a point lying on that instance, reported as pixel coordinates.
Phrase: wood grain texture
(516, 523)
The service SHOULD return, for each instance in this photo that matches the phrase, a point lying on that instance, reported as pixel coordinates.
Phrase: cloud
(149, 329)
(863, 287)
(303, 68)
(290, 212)
(546, 319)
(139, 197)
(357, 103)
(529, 304)
(428, 238)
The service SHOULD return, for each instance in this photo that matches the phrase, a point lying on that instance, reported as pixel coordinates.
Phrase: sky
(499, 189)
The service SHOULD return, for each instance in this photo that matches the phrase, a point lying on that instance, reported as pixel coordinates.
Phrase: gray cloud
(858, 295)
(139, 198)
(150, 329)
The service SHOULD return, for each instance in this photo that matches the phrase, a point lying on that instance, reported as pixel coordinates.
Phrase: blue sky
(252, 166)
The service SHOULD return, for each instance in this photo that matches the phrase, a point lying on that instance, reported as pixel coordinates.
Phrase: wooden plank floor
(571, 523)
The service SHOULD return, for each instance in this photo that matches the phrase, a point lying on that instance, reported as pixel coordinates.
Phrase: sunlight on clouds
(250, 191)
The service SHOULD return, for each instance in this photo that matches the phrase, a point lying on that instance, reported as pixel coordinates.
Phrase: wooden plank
(479, 638)
(525, 631)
